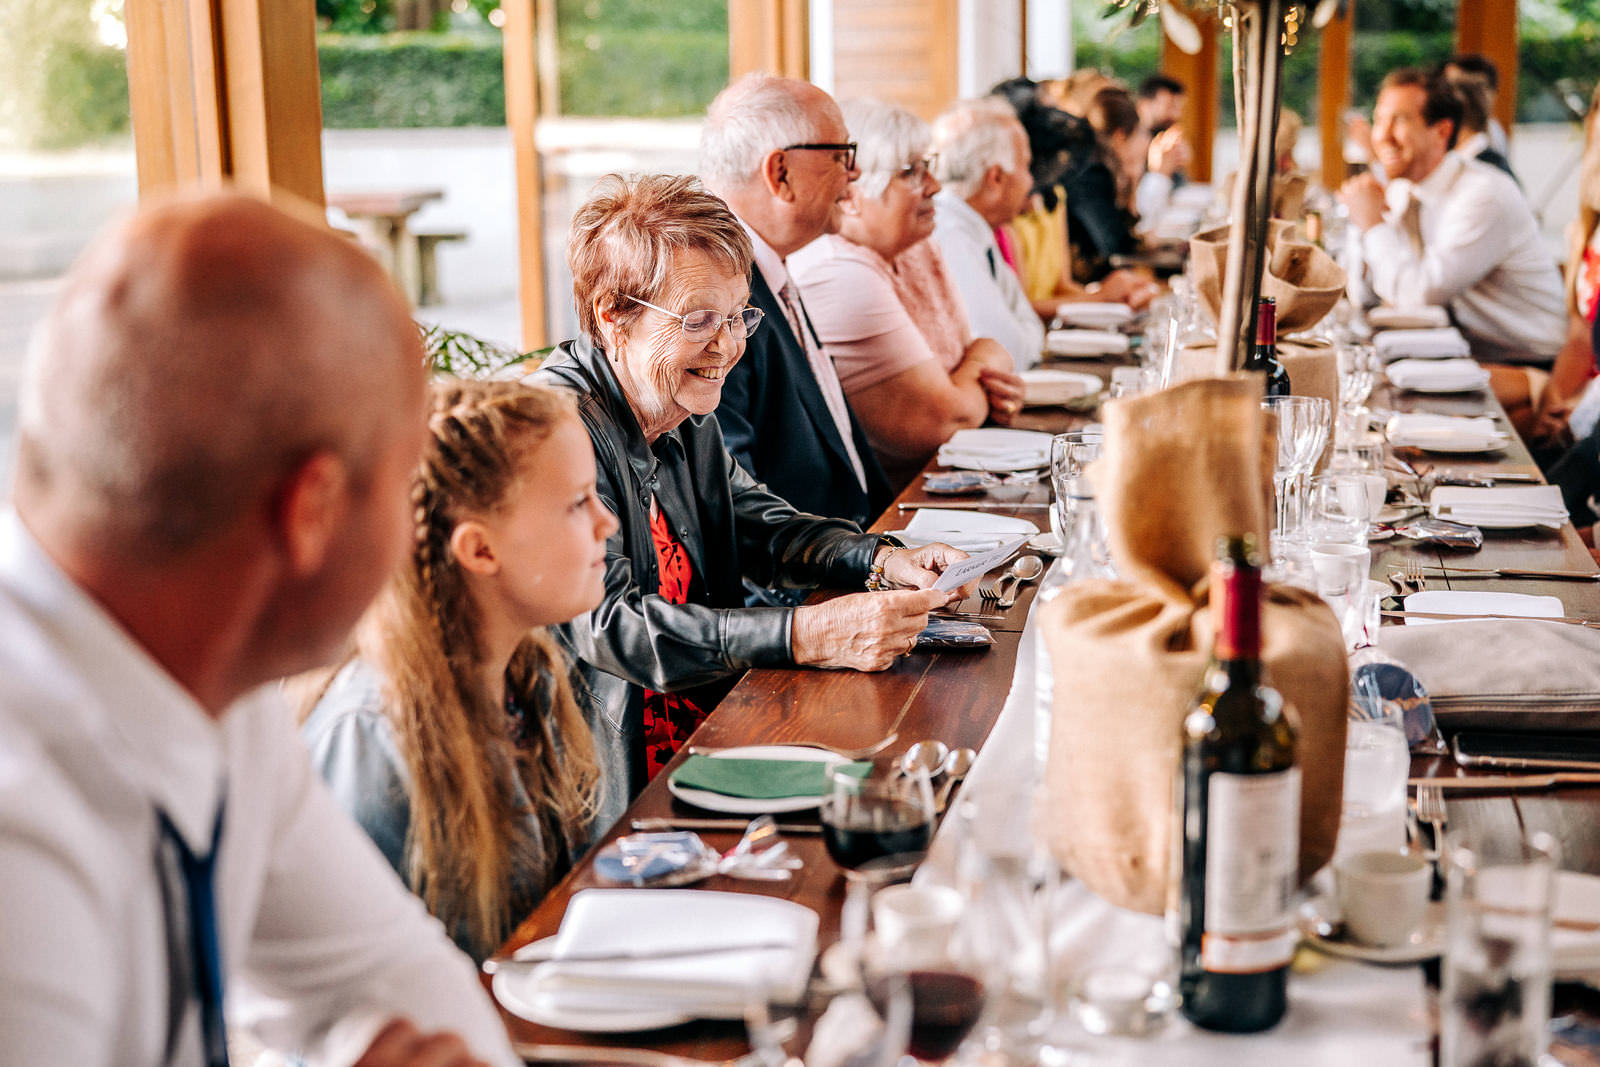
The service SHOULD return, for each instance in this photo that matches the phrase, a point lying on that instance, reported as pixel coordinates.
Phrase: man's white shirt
(1482, 256)
(997, 306)
(321, 944)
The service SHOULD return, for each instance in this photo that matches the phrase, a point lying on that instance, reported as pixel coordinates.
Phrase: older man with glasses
(777, 151)
(887, 309)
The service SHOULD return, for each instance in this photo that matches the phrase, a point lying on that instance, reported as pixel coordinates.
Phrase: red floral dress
(669, 718)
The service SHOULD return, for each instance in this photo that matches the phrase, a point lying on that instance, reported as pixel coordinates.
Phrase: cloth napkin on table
(990, 449)
(970, 531)
(1535, 505)
(759, 779)
(1445, 433)
(1085, 343)
(1094, 315)
(1439, 375)
(1415, 317)
(1445, 342)
(1503, 674)
(601, 921)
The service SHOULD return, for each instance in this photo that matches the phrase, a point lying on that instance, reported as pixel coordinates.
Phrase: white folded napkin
(1476, 602)
(1444, 433)
(1529, 505)
(1574, 948)
(970, 531)
(994, 449)
(599, 921)
(1095, 315)
(1443, 343)
(1194, 195)
(1412, 317)
(1085, 343)
(1438, 375)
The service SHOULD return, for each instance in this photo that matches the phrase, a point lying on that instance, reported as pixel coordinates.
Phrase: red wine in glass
(857, 837)
(945, 1006)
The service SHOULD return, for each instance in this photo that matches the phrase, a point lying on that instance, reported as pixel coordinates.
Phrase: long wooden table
(955, 697)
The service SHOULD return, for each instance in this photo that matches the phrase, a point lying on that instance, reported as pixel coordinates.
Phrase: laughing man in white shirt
(218, 423)
(1454, 232)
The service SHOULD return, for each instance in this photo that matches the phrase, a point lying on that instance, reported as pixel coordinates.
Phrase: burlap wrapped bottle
(1180, 468)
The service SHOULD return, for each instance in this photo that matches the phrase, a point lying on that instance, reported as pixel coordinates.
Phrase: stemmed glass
(938, 960)
(1303, 423)
(1358, 372)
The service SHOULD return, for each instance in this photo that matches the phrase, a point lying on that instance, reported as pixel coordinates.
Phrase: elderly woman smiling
(887, 310)
(660, 274)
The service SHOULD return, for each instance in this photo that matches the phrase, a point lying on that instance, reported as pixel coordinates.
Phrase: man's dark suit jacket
(1495, 159)
(777, 425)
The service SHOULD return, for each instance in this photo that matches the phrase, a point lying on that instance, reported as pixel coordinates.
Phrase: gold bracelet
(875, 579)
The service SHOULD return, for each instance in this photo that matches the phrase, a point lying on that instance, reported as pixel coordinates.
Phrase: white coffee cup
(912, 918)
(1383, 895)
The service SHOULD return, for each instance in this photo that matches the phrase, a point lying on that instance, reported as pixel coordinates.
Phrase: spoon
(926, 756)
(955, 767)
(1024, 570)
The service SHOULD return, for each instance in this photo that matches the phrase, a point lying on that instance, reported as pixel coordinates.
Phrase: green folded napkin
(759, 779)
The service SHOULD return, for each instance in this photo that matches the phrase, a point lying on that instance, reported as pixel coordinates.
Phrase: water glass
(1494, 1006)
(1372, 815)
(1344, 505)
(1132, 381)
(1341, 575)
(1070, 453)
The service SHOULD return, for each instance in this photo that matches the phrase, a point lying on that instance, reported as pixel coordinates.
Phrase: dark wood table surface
(955, 697)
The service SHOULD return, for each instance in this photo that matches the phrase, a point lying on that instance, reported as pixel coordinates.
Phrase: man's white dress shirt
(1465, 238)
(776, 275)
(996, 303)
(320, 942)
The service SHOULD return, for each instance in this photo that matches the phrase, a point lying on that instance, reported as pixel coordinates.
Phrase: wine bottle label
(1252, 858)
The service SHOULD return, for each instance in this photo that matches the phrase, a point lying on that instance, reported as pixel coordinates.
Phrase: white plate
(1046, 386)
(1468, 517)
(996, 449)
(518, 993)
(704, 798)
(1446, 390)
(1425, 944)
(1464, 448)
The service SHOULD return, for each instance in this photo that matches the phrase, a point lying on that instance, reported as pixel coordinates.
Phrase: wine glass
(879, 819)
(1303, 424)
(930, 951)
(1358, 371)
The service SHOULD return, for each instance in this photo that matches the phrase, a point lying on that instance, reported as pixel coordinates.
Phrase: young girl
(451, 733)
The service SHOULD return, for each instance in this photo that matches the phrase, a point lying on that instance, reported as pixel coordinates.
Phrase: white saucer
(1426, 943)
(703, 798)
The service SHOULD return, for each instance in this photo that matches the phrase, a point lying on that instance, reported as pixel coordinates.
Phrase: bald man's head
(199, 351)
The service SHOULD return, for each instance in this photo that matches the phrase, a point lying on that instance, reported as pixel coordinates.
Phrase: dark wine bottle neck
(1238, 615)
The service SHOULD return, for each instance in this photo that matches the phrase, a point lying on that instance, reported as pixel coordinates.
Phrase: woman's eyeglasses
(917, 170)
(846, 149)
(703, 325)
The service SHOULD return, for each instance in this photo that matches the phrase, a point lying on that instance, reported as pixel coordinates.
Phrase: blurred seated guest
(1478, 65)
(887, 309)
(1037, 238)
(451, 733)
(1569, 408)
(1289, 181)
(1076, 92)
(777, 150)
(217, 426)
(1160, 106)
(1473, 140)
(983, 160)
(661, 281)
(1454, 232)
(1100, 218)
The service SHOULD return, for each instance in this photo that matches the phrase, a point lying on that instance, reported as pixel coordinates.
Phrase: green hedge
(411, 79)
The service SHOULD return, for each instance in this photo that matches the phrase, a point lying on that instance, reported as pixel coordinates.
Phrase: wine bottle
(1237, 821)
(1264, 355)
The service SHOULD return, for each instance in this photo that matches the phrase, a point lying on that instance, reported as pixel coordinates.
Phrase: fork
(989, 588)
(1430, 810)
(1414, 576)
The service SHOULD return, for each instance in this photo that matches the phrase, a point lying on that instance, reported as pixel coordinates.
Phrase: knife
(495, 964)
(1591, 623)
(1509, 572)
(1511, 781)
(976, 505)
(656, 825)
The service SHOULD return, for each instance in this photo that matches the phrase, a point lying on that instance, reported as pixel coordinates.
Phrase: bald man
(218, 424)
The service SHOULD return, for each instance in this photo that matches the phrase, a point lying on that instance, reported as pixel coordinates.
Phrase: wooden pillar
(1198, 73)
(1490, 27)
(522, 116)
(1333, 95)
(769, 35)
(900, 51)
(226, 92)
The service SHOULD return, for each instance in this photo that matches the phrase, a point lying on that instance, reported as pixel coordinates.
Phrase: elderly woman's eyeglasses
(846, 148)
(918, 169)
(703, 325)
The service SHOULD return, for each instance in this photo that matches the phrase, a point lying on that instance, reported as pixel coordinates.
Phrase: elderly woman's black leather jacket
(731, 527)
